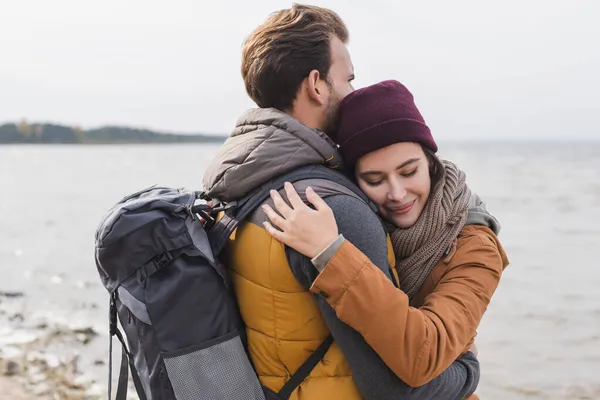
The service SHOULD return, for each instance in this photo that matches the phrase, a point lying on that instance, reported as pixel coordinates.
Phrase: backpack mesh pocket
(216, 370)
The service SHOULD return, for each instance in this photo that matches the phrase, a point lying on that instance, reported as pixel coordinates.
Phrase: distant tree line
(24, 132)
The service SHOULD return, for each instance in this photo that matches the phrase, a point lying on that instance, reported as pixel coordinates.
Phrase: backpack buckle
(207, 212)
(201, 195)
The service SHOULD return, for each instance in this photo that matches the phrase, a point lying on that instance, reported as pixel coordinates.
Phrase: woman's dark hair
(436, 168)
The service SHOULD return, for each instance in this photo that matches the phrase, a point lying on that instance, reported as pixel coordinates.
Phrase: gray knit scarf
(420, 248)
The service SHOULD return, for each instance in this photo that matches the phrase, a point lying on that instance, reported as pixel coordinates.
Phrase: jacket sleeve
(417, 344)
(357, 222)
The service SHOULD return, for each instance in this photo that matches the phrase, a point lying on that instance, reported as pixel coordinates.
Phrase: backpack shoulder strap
(302, 373)
(222, 230)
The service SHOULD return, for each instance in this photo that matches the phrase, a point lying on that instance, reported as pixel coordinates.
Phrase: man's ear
(315, 87)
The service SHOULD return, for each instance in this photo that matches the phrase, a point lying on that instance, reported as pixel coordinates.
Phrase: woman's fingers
(316, 200)
(273, 216)
(274, 232)
(280, 204)
(293, 197)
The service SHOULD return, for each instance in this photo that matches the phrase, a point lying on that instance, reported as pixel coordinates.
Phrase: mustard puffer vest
(283, 323)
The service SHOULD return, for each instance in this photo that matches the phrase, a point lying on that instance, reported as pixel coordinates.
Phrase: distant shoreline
(113, 143)
(42, 133)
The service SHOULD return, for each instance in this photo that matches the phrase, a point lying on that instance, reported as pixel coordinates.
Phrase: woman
(448, 267)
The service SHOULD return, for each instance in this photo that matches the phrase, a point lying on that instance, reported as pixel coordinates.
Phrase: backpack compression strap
(126, 360)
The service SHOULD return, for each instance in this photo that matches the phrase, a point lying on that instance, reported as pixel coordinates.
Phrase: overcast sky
(478, 69)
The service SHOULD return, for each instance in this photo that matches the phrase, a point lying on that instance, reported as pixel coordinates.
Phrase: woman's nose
(397, 191)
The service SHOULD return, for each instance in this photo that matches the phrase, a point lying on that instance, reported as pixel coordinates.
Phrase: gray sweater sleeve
(357, 222)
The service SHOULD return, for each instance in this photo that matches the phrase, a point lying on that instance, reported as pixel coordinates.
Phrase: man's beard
(332, 119)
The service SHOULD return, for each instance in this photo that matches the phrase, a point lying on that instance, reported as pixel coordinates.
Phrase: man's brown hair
(279, 54)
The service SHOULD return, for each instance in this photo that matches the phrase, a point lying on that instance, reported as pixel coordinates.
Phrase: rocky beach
(40, 358)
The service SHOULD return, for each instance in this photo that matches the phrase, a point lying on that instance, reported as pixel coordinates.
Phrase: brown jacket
(417, 339)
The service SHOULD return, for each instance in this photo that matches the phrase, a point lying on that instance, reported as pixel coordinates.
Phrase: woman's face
(397, 179)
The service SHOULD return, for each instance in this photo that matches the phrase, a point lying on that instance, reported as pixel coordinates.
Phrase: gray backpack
(173, 298)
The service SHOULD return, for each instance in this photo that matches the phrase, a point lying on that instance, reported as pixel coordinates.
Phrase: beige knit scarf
(420, 248)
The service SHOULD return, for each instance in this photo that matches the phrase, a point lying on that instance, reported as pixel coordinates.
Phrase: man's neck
(306, 117)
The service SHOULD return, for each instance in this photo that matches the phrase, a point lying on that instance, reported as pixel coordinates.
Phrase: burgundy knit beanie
(377, 116)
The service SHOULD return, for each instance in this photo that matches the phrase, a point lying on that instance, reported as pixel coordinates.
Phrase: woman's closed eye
(373, 183)
(403, 174)
(410, 173)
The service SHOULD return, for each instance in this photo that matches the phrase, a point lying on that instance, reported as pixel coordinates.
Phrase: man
(297, 69)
